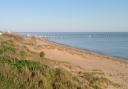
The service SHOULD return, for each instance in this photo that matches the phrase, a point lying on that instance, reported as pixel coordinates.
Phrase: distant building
(1, 33)
(28, 35)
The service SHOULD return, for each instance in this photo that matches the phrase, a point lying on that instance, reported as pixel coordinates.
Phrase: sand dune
(114, 68)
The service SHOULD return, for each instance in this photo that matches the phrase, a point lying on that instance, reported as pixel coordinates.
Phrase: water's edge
(116, 58)
(65, 42)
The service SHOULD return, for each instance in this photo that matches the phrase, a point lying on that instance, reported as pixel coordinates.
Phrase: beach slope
(90, 70)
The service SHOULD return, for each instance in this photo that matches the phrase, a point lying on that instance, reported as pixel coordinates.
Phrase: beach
(114, 68)
(64, 44)
(77, 60)
(108, 43)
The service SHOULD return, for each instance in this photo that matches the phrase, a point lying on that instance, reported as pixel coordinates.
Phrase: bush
(42, 54)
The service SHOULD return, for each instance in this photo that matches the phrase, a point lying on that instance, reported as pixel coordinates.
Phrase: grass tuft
(18, 73)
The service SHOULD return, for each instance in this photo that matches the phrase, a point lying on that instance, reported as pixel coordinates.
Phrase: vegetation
(17, 72)
(42, 54)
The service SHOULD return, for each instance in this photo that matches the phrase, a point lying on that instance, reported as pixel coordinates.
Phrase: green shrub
(18, 73)
(19, 64)
(7, 50)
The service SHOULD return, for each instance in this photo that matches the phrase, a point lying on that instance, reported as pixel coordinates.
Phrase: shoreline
(116, 69)
(86, 50)
(114, 58)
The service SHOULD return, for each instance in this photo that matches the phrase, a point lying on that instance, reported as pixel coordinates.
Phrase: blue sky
(64, 15)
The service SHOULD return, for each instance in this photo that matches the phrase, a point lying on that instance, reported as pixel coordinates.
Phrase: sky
(64, 15)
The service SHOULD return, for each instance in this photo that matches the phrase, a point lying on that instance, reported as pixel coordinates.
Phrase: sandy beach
(115, 69)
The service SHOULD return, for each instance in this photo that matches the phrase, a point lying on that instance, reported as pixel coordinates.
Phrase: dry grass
(17, 72)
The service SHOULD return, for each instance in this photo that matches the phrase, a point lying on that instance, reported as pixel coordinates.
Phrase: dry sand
(114, 68)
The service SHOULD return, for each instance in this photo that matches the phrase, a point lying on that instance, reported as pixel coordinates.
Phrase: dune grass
(16, 72)
(24, 74)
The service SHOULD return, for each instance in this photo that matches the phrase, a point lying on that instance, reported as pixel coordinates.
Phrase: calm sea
(108, 43)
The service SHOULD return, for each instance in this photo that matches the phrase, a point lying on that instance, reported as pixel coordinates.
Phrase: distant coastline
(109, 57)
(113, 68)
(91, 41)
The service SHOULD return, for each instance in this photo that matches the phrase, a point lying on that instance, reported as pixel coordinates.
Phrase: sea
(107, 43)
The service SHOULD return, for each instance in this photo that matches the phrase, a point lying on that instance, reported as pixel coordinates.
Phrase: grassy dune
(18, 70)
